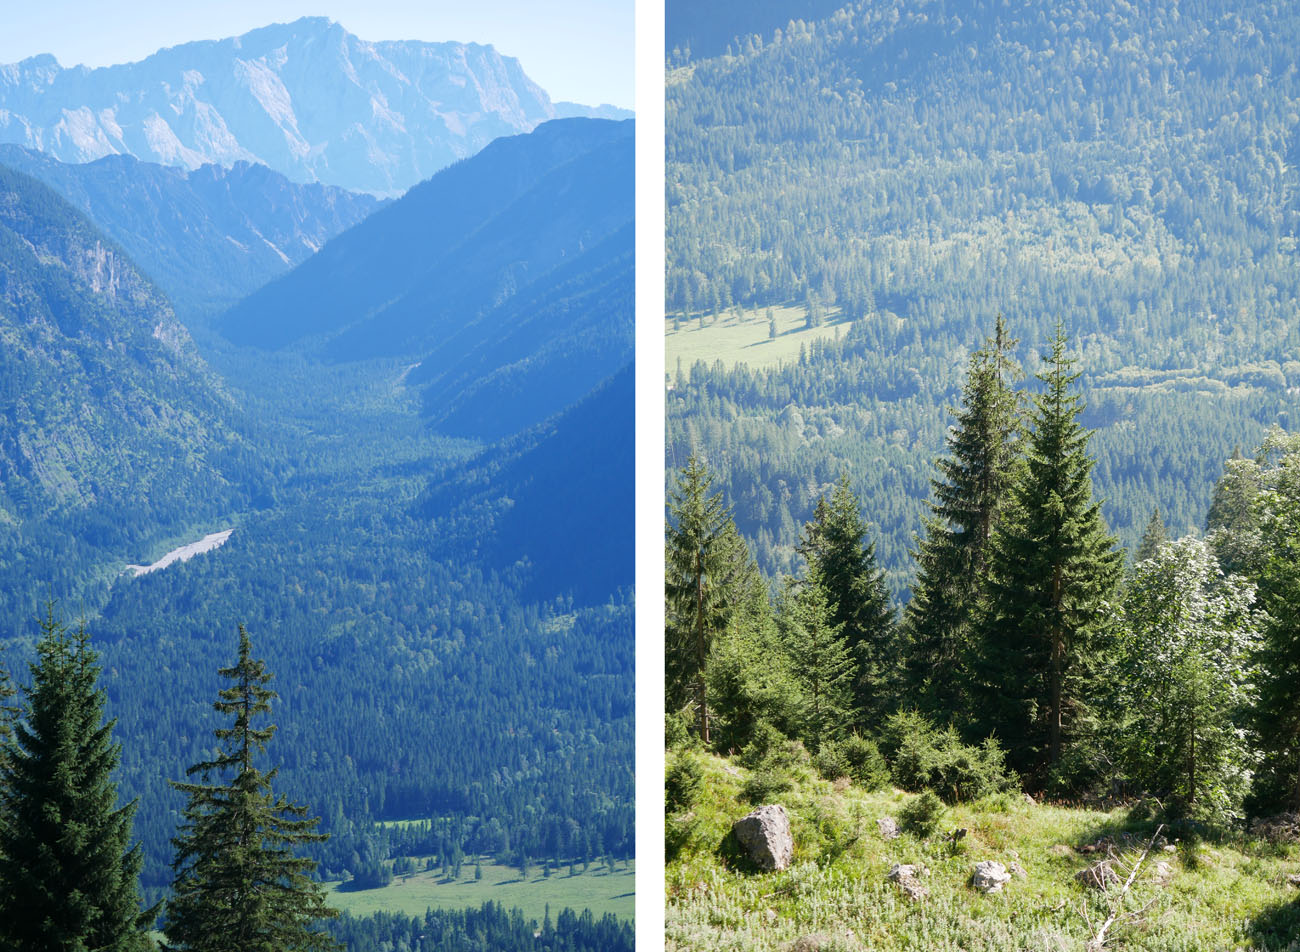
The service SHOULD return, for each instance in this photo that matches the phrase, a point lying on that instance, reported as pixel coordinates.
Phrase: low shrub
(923, 815)
(764, 785)
(682, 782)
(923, 757)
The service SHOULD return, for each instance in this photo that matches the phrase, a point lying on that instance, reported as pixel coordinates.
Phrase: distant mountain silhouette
(307, 99)
(207, 237)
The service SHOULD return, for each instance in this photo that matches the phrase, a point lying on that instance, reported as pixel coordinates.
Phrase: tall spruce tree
(708, 574)
(823, 664)
(239, 887)
(1053, 567)
(1277, 505)
(1153, 536)
(842, 565)
(970, 494)
(68, 873)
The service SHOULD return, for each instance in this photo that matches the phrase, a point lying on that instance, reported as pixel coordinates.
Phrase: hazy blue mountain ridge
(207, 237)
(307, 98)
(493, 275)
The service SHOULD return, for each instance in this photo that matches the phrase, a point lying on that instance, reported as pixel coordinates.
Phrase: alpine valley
(373, 314)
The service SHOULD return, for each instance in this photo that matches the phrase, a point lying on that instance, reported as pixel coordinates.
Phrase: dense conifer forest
(455, 687)
(909, 171)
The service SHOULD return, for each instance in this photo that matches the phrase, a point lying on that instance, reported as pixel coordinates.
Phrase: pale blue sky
(580, 50)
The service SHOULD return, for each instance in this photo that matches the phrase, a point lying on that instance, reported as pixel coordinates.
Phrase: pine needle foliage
(842, 565)
(68, 873)
(239, 886)
(970, 494)
(1053, 568)
(709, 576)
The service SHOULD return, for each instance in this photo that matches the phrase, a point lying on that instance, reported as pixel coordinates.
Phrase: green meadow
(597, 889)
(745, 338)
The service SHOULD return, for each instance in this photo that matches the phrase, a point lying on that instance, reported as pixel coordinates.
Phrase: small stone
(1293, 880)
(771, 915)
(765, 835)
(888, 827)
(906, 875)
(1018, 871)
(1163, 872)
(1171, 848)
(1029, 799)
(990, 877)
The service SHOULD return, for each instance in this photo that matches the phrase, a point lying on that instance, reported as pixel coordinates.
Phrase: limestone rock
(907, 878)
(1163, 872)
(765, 835)
(888, 827)
(990, 877)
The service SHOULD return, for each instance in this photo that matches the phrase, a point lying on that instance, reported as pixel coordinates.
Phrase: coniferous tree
(708, 572)
(969, 496)
(1153, 536)
(1277, 505)
(842, 564)
(823, 665)
(239, 887)
(1053, 566)
(68, 874)
(8, 710)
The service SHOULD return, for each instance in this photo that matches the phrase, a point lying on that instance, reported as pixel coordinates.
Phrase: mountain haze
(207, 237)
(508, 276)
(307, 99)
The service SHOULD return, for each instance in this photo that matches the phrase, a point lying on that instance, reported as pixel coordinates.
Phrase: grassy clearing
(597, 889)
(745, 340)
(1225, 895)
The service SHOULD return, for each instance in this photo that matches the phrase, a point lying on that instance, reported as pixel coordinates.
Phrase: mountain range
(508, 277)
(206, 237)
(308, 99)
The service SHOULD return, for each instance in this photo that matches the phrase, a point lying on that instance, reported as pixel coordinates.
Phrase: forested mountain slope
(306, 98)
(206, 237)
(508, 277)
(916, 169)
(111, 428)
(464, 669)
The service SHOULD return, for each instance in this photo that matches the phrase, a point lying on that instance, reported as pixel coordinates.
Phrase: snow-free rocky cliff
(308, 99)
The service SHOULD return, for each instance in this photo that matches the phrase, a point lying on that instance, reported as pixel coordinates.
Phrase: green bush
(682, 783)
(923, 757)
(867, 767)
(855, 757)
(830, 762)
(677, 729)
(922, 815)
(769, 747)
(764, 785)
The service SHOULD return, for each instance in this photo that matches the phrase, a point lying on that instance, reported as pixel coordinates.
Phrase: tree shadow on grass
(1276, 929)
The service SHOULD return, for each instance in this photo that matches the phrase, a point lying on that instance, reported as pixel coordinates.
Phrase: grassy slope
(1224, 895)
(597, 890)
(745, 340)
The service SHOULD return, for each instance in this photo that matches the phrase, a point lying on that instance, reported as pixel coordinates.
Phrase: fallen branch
(1098, 941)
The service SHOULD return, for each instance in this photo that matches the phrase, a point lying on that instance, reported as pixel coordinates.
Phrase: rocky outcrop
(307, 98)
(765, 836)
(990, 877)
